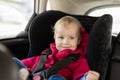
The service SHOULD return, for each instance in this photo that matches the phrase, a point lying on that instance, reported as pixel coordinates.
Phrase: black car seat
(99, 43)
(114, 68)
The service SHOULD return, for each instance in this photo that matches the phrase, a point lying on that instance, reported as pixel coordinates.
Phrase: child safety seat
(98, 28)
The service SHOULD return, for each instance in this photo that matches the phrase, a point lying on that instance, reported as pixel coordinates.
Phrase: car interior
(103, 47)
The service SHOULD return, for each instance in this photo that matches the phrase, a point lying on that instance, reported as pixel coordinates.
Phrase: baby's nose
(65, 41)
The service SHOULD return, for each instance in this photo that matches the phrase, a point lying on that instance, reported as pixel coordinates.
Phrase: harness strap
(61, 64)
(42, 61)
(46, 73)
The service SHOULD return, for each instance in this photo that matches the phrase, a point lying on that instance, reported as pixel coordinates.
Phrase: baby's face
(67, 36)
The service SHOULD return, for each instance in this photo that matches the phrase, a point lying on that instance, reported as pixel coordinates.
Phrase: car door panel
(18, 46)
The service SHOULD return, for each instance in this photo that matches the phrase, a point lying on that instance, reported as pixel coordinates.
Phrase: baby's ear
(54, 36)
(79, 41)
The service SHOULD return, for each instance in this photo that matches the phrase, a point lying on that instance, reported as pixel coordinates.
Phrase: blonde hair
(67, 20)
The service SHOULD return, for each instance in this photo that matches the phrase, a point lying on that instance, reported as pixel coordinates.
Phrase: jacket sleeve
(84, 76)
(81, 69)
(66, 73)
(31, 62)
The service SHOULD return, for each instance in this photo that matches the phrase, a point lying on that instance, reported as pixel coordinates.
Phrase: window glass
(14, 16)
(48, 5)
(113, 10)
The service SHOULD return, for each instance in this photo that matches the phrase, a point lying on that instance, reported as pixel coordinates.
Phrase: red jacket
(75, 70)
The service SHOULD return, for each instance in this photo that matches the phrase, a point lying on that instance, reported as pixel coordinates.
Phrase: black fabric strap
(61, 64)
(42, 60)
(57, 66)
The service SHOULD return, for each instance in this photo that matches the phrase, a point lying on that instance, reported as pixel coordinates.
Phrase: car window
(48, 5)
(114, 10)
(14, 16)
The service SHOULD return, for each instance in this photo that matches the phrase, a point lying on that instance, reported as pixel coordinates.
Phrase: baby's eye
(61, 37)
(71, 38)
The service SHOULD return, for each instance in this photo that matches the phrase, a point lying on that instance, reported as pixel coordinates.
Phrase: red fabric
(73, 71)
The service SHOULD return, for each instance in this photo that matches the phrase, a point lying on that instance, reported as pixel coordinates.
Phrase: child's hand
(93, 75)
(23, 74)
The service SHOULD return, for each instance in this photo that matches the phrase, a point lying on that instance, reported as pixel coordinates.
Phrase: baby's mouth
(66, 47)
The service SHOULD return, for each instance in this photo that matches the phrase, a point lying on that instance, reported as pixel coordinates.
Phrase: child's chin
(67, 49)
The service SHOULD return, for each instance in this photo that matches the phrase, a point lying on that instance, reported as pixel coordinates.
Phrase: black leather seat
(99, 43)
